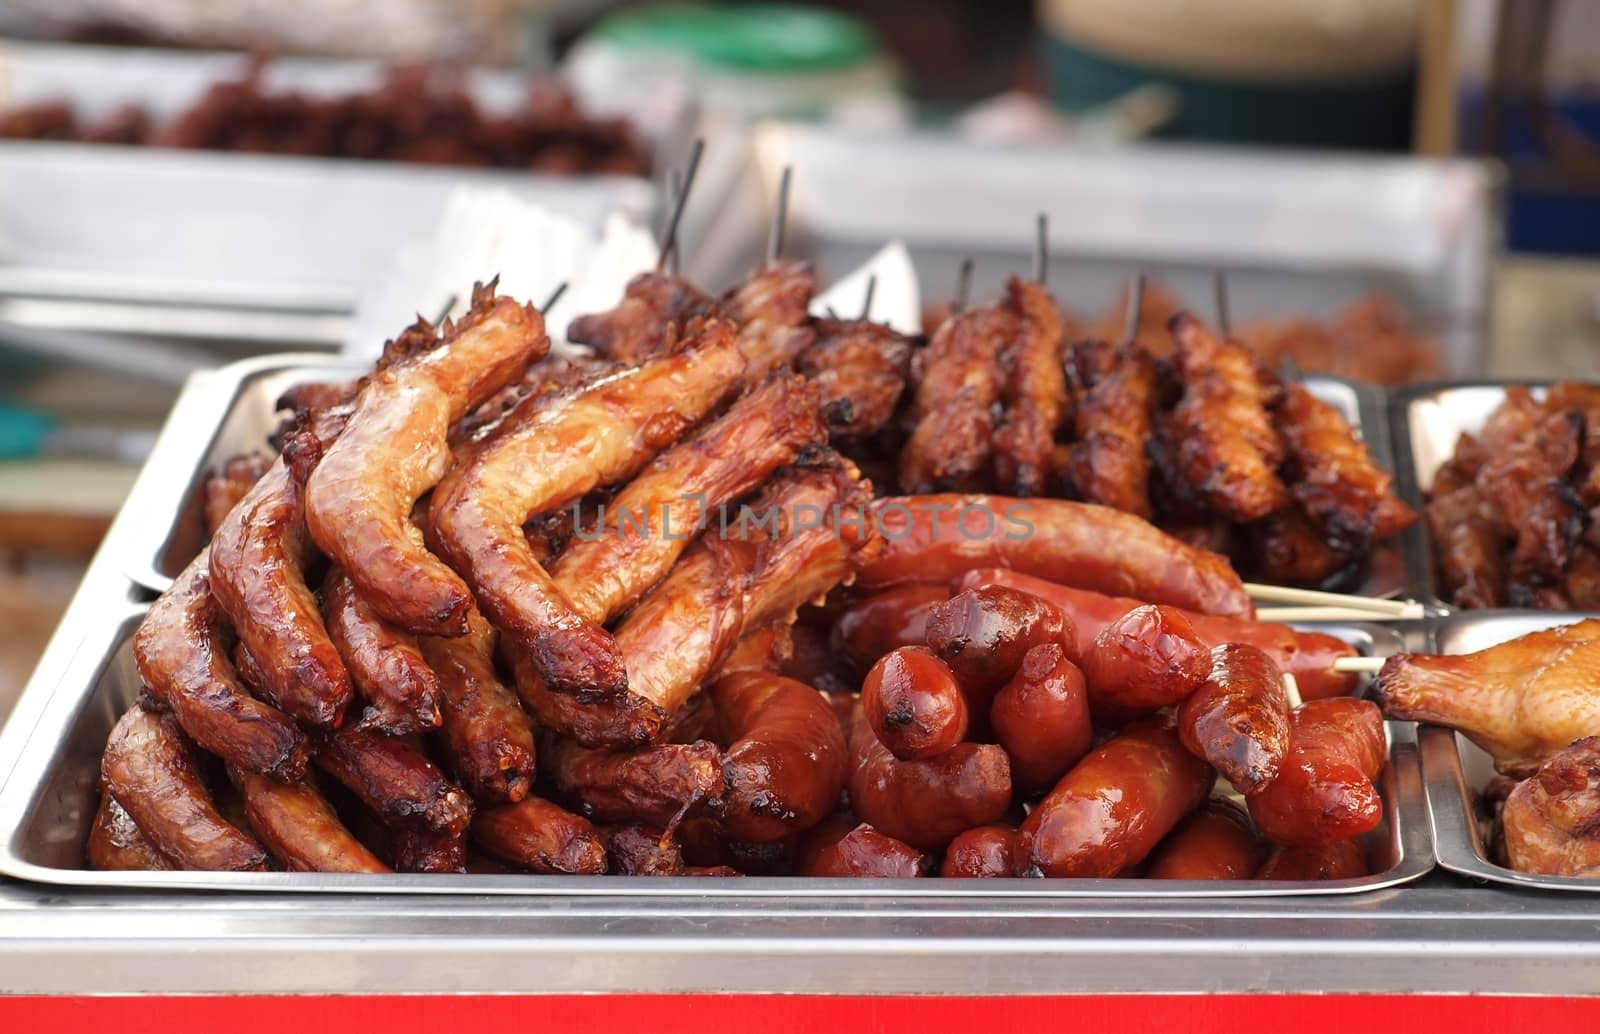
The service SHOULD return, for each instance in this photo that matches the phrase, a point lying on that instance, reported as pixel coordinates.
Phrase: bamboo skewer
(1291, 689)
(1284, 615)
(1313, 598)
(1359, 665)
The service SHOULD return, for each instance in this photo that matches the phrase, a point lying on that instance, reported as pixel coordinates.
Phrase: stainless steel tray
(229, 411)
(1455, 770)
(49, 800)
(1423, 422)
(1299, 233)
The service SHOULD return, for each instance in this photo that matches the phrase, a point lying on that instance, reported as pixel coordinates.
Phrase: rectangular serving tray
(1455, 770)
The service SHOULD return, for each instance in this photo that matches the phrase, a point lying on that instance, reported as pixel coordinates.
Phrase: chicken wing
(1036, 401)
(952, 426)
(560, 453)
(770, 307)
(400, 691)
(360, 497)
(1224, 449)
(1340, 487)
(1528, 454)
(1551, 821)
(653, 310)
(1522, 701)
(224, 489)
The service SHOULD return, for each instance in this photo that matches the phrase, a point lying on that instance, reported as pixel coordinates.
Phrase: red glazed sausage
(1324, 792)
(1215, 843)
(786, 760)
(843, 847)
(983, 634)
(914, 704)
(1149, 658)
(987, 852)
(869, 628)
(1238, 720)
(1041, 717)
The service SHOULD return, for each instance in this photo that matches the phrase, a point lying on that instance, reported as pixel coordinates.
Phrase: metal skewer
(780, 217)
(446, 309)
(963, 287)
(872, 287)
(1219, 290)
(1041, 247)
(555, 296)
(1130, 321)
(675, 187)
(669, 239)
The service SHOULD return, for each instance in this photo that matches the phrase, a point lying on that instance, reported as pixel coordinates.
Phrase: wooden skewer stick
(1312, 598)
(1285, 615)
(1359, 665)
(1291, 689)
(780, 217)
(1041, 248)
(1219, 288)
(963, 287)
(1130, 324)
(669, 239)
(555, 296)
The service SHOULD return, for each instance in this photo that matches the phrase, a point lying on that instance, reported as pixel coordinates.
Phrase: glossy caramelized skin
(1113, 807)
(859, 369)
(229, 485)
(1041, 717)
(561, 452)
(985, 852)
(871, 626)
(770, 307)
(1215, 843)
(1036, 400)
(259, 559)
(1309, 656)
(1523, 701)
(1551, 820)
(942, 537)
(927, 802)
(1148, 659)
(1528, 454)
(1324, 791)
(399, 690)
(396, 447)
(961, 381)
(419, 849)
(650, 522)
(1462, 524)
(299, 827)
(844, 847)
(786, 759)
(153, 773)
(1224, 449)
(1238, 719)
(1287, 548)
(394, 779)
(914, 704)
(983, 635)
(1114, 420)
(487, 738)
(636, 850)
(117, 844)
(541, 837)
(182, 657)
(654, 308)
(1349, 496)
(1345, 860)
(659, 784)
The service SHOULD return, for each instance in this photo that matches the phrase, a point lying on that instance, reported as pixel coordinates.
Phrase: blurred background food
(1398, 189)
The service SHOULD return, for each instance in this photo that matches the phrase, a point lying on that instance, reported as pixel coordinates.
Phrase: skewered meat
(653, 311)
(1324, 790)
(1215, 843)
(859, 369)
(360, 497)
(229, 485)
(1114, 420)
(560, 453)
(151, 771)
(770, 308)
(117, 843)
(1148, 659)
(950, 443)
(182, 655)
(1528, 454)
(1550, 820)
(1466, 542)
(486, 739)
(1340, 487)
(1287, 548)
(942, 537)
(1522, 701)
(786, 758)
(1224, 450)
(1035, 392)
(259, 562)
(400, 691)
(299, 827)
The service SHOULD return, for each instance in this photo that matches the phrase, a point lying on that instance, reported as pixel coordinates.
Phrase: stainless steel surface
(1300, 233)
(1424, 422)
(1455, 770)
